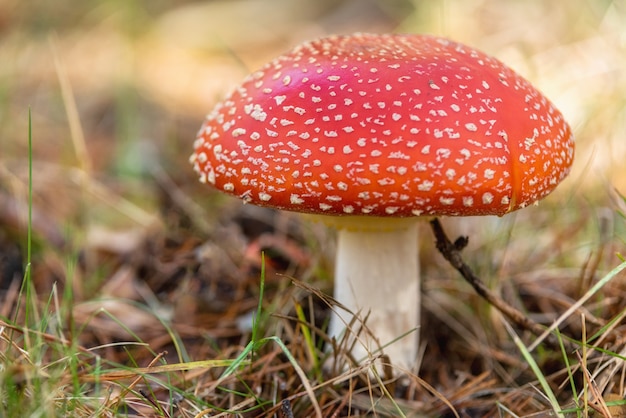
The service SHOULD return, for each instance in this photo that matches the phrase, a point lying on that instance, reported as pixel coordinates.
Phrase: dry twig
(452, 252)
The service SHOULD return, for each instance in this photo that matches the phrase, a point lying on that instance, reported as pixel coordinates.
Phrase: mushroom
(372, 132)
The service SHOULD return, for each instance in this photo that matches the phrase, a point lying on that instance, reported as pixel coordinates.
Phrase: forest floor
(127, 288)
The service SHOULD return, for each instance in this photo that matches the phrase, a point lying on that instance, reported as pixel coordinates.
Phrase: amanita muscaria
(373, 132)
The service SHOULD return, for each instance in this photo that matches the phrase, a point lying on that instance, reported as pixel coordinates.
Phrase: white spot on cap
(295, 199)
(246, 196)
(487, 198)
(471, 127)
(238, 131)
(279, 99)
(489, 173)
(443, 153)
(425, 186)
(446, 201)
(258, 113)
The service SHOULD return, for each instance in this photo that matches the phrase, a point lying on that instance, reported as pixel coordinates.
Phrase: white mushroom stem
(377, 274)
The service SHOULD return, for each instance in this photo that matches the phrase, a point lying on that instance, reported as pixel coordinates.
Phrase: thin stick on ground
(452, 252)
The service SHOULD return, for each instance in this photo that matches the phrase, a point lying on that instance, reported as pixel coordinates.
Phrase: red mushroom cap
(400, 125)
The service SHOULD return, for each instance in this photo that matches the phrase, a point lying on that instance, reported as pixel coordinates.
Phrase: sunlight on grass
(580, 302)
(256, 343)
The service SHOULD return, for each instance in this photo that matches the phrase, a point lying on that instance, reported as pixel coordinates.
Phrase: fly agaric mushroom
(373, 132)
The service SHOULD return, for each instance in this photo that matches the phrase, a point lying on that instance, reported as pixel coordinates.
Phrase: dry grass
(144, 285)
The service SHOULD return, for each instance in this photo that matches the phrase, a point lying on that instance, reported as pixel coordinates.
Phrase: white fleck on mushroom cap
(385, 125)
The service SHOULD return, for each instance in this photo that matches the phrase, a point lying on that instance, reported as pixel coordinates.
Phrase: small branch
(452, 253)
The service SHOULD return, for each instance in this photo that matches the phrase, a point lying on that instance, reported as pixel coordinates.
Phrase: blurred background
(144, 73)
(118, 89)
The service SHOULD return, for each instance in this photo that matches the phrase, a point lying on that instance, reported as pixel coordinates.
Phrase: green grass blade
(554, 403)
(257, 317)
(308, 339)
(594, 289)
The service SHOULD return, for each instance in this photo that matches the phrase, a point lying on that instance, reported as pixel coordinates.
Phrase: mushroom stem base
(377, 278)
